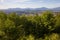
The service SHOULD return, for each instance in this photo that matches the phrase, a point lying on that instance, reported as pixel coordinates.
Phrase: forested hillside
(45, 26)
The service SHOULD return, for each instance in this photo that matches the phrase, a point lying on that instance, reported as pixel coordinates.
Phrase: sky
(4, 4)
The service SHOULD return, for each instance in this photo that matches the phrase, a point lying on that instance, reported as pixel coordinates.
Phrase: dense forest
(44, 26)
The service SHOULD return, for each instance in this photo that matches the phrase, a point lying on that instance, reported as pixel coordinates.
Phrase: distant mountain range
(30, 10)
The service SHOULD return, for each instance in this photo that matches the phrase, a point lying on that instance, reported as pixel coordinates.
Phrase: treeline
(28, 27)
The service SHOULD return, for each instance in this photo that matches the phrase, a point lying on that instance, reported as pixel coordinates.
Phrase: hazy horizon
(5, 4)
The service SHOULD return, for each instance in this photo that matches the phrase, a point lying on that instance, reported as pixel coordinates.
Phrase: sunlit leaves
(14, 26)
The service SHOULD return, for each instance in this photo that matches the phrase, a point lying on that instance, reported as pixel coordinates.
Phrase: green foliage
(53, 36)
(29, 27)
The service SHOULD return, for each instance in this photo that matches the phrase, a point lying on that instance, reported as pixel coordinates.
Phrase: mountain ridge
(30, 10)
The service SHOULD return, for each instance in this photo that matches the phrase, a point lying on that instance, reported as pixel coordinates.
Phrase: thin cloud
(1, 1)
(41, 1)
(16, 0)
(21, 0)
(8, 1)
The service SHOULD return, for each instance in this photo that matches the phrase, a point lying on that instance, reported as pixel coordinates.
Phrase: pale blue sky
(29, 3)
